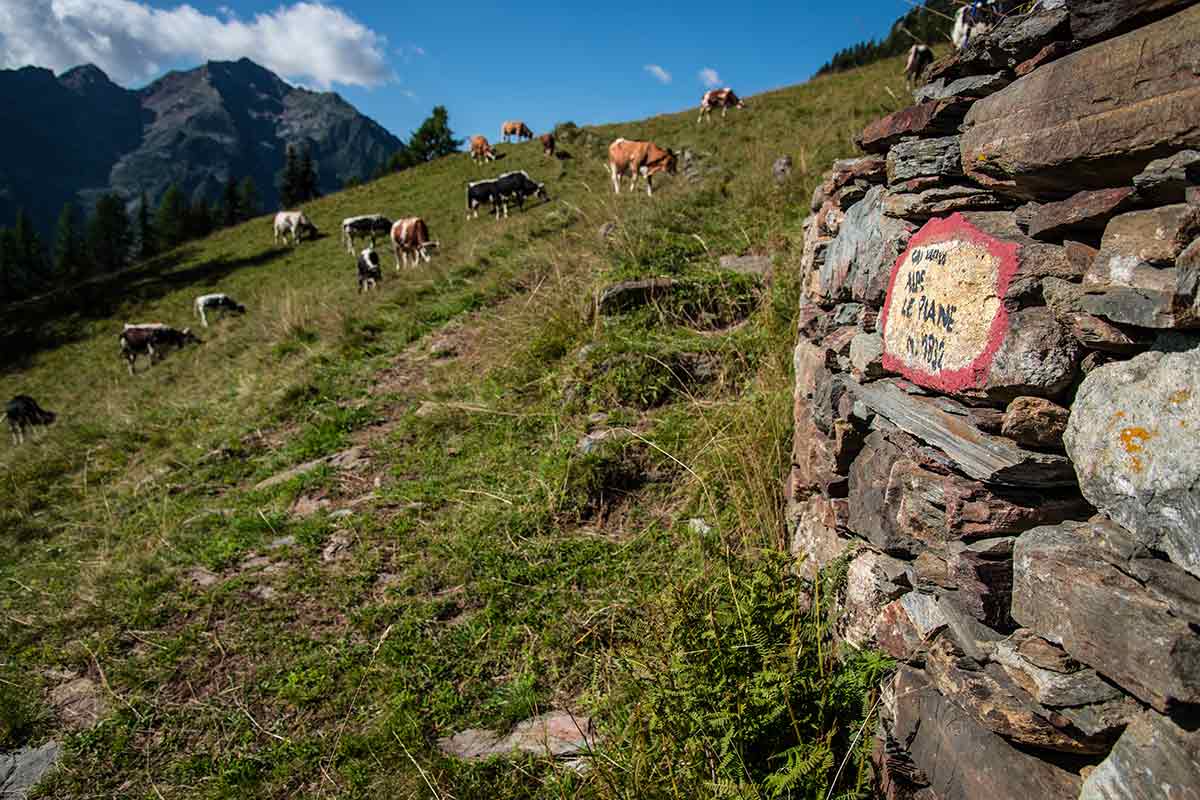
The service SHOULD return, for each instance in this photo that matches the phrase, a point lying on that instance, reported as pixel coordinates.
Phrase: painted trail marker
(944, 318)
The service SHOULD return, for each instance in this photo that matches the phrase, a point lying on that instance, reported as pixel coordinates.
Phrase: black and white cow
(480, 192)
(369, 271)
(367, 226)
(920, 56)
(150, 339)
(216, 302)
(514, 187)
(23, 412)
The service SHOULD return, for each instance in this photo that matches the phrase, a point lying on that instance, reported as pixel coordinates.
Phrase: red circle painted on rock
(1005, 253)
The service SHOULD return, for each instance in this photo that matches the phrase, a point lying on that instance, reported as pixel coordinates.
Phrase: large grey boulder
(1153, 759)
(859, 261)
(1091, 588)
(1166, 180)
(1134, 438)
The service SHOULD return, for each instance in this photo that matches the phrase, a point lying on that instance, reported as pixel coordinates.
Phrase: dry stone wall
(996, 418)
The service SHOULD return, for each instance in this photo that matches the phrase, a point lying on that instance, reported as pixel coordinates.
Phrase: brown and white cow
(723, 99)
(638, 158)
(515, 127)
(920, 56)
(481, 150)
(293, 224)
(150, 339)
(548, 143)
(411, 235)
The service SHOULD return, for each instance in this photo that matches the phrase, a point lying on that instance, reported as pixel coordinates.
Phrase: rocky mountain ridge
(77, 135)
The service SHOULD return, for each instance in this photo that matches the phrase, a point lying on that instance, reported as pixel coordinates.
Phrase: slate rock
(1187, 277)
(1152, 236)
(816, 537)
(960, 759)
(902, 506)
(1166, 180)
(1035, 260)
(916, 158)
(967, 86)
(1091, 119)
(1049, 674)
(907, 625)
(872, 581)
(1145, 308)
(1089, 588)
(555, 734)
(859, 260)
(1133, 437)
(1082, 211)
(870, 169)
(1153, 759)
(931, 118)
(997, 702)
(1050, 52)
(626, 295)
(1095, 19)
(747, 265)
(940, 201)
(866, 355)
(1035, 422)
(782, 168)
(1096, 334)
(1015, 39)
(991, 459)
(981, 571)
(21, 769)
(848, 314)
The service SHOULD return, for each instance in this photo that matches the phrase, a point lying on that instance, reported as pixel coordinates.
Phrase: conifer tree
(434, 138)
(31, 257)
(109, 234)
(231, 212)
(146, 234)
(69, 258)
(11, 284)
(289, 186)
(248, 202)
(307, 188)
(171, 219)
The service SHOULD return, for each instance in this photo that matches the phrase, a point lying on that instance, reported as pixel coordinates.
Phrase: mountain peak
(83, 76)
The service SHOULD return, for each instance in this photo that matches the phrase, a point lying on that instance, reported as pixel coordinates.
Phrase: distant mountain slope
(74, 136)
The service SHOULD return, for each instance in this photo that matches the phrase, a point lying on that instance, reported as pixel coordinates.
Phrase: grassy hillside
(469, 565)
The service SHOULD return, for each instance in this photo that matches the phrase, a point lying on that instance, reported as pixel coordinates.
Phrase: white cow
(216, 302)
(294, 224)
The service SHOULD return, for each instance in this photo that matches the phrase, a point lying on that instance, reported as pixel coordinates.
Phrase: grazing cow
(367, 226)
(547, 140)
(23, 412)
(514, 187)
(638, 158)
(150, 339)
(369, 272)
(216, 302)
(411, 235)
(723, 99)
(920, 56)
(481, 150)
(480, 192)
(514, 127)
(294, 224)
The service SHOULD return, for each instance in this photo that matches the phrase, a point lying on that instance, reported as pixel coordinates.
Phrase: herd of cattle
(409, 236)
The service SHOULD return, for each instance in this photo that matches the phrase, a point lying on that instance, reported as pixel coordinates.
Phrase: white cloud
(660, 74)
(306, 41)
(710, 78)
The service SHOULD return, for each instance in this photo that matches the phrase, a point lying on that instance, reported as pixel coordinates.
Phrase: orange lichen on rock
(1134, 440)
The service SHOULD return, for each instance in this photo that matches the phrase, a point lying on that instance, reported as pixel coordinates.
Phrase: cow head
(671, 162)
(541, 192)
(45, 417)
(187, 337)
(306, 228)
(239, 308)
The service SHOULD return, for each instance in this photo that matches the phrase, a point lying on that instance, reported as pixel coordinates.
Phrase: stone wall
(996, 409)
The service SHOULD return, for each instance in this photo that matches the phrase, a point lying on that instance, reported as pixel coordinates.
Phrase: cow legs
(616, 180)
(396, 254)
(203, 318)
(649, 185)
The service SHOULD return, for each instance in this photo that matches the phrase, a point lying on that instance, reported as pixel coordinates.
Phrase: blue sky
(535, 61)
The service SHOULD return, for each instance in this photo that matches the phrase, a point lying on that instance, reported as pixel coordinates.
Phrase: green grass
(487, 569)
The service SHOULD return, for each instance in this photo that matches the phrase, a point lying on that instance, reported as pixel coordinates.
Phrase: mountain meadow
(287, 561)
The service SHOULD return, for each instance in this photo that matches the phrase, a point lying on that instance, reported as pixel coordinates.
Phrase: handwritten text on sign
(943, 318)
